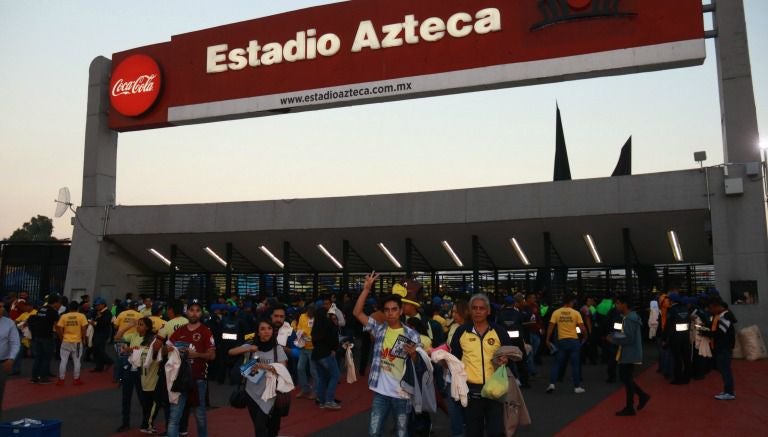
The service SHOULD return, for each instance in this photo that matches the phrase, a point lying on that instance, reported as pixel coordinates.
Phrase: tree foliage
(38, 228)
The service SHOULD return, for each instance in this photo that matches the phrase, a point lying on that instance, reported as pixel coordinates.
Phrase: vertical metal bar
(495, 282)
(345, 266)
(579, 282)
(408, 257)
(315, 286)
(689, 279)
(286, 268)
(172, 273)
(228, 259)
(548, 266)
(435, 284)
(476, 264)
(628, 279)
(607, 280)
(45, 270)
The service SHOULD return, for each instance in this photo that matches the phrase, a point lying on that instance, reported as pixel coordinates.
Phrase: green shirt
(171, 326)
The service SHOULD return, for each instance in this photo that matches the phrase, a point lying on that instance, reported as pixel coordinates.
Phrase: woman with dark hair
(142, 379)
(263, 349)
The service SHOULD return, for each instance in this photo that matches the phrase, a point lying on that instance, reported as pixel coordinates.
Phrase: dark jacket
(630, 339)
(725, 332)
(41, 324)
(325, 337)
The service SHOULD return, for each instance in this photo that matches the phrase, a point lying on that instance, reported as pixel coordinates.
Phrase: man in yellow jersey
(393, 342)
(157, 317)
(71, 329)
(128, 319)
(570, 327)
(474, 343)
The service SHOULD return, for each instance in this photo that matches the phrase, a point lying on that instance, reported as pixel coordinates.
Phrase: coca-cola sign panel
(135, 85)
(358, 52)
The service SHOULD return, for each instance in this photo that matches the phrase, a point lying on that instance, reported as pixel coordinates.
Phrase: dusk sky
(470, 140)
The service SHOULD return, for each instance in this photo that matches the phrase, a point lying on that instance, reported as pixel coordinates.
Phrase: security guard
(511, 318)
(677, 339)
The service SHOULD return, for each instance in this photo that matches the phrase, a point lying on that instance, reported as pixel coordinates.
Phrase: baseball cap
(99, 301)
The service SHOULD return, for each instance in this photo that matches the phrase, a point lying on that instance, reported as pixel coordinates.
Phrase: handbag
(282, 400)
(239, 397)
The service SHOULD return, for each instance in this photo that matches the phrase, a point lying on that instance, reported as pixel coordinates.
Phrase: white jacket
(283, 333)
(281, 382)
(459, 389)
(171, 370)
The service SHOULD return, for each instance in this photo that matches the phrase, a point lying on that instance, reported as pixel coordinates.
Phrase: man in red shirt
(200, 351)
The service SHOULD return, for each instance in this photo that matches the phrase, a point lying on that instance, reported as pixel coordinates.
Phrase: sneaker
(332, 406)
(322, 406)
(149, 430)
(643, 402)
(551, 388)
(311, 397)
(34, 380)
(44, 381)
(78, 381)
(184, 433)
(725, 397)
(626, 412)
(59, 382)
(579, 390)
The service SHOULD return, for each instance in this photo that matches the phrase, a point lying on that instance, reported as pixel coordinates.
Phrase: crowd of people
(422, 355)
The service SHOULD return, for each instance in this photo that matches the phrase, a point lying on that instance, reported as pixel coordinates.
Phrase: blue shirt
(9, 339)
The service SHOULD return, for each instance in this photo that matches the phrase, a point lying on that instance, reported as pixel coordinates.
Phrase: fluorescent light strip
(592, 248)
(330, 257)
(453, 255)
(160, 256)
(215, 256)
(389, 255)
(674, 243)
(272, 256)
(519, 251)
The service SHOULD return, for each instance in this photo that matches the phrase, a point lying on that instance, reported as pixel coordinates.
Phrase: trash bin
(31, 428)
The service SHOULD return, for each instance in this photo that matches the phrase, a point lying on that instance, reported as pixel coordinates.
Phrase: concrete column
(98, 267)
(100, 157)
(740, 239)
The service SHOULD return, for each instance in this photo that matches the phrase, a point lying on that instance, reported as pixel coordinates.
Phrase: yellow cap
(399, 290)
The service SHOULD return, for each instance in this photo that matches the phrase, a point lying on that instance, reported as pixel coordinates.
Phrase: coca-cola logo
(135, 85)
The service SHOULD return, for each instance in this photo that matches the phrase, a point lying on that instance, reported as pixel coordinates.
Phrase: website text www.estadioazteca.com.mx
(347, 93)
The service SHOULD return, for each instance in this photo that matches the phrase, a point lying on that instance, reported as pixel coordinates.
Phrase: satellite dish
(62, 202)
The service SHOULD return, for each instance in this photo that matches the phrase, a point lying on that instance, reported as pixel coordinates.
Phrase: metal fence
(39, 268)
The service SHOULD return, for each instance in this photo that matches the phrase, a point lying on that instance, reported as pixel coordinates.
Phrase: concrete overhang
(648, 205)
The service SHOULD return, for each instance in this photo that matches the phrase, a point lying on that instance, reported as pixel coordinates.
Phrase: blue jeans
(455, 412)
(305, 359)
(327, 379)
(42, 349)
(563, 348)
(177, 412)
(380, 409)
(723, 364)
(535, 345)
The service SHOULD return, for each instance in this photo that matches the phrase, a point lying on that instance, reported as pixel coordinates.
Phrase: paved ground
(94, 409)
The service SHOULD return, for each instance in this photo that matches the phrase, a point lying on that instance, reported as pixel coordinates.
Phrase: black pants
(626, 374)
(161, 397)
(264, 425)
(483, 417)
(681, 359)
(100, 356)
(131, 383)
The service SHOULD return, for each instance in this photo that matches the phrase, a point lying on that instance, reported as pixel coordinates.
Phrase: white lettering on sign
(143, 84)
(307, 45)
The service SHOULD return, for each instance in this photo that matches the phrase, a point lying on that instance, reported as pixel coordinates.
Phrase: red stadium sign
(369, 51)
